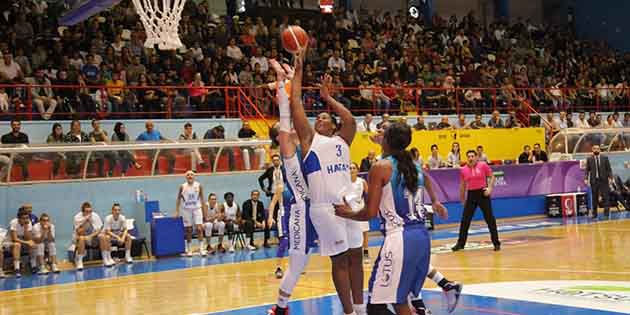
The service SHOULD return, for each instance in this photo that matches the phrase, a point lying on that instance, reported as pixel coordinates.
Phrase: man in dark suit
(366, 162)
(598, 175)
(254, 218)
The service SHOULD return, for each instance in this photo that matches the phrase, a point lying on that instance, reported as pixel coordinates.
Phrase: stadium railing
(69, 162)
(81, 101)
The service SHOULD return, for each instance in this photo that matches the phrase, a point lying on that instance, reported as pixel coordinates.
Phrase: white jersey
(212, 212)
(116, 226)
(190, 196)
(37, 230)
(230, 212)
(358, 187)
(15, 225)
(327, 169)
(91, 224)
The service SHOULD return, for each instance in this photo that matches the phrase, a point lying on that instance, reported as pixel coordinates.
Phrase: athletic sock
(202, 245)
(33, 262)
(106, 257)
(353, 313)
(359, 309)
(283, 301)
(187, 246)
(127, 253)
(16, 264)
(439, 279)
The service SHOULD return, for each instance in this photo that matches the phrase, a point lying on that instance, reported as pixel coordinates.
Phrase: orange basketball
(294, 38)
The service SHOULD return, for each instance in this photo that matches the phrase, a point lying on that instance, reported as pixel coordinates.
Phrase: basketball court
(546, 266)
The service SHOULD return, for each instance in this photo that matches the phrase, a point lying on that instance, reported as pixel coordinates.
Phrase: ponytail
(407, 169)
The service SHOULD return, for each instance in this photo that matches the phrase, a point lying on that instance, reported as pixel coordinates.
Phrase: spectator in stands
(582, 122)
(115, 232)
(561, 122)
(116, 93)
(4, 101)
(454, 157)
(420, 124)
(246, 131)
(593, 121)
(17, 137)
(218, 132)
(443, 124)
(10, 71)
(512, 121)
(231, 214)
(87, 229)
(526, 157)
(254, 218)
(99, 135)
(91, 71)
(44, 238)
(367, 124)
(368, 161)
(197, 94)
(195, 156)
(435, 161)
(336, 63)
(610, 122)
(150, 134)
(461, 122)
(384, 119)
(127, 158)
(626, 120)
(539, 156)
(416, 157)
(42, 94)
(477, 123)
(482, 155)
(495, 121)
(75, 135)
(234, 52)
(214, 222)
(56, 137)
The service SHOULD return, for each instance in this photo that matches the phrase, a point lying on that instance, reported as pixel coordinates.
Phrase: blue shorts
(401, 267)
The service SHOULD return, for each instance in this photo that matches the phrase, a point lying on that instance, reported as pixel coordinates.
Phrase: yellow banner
(498, 144)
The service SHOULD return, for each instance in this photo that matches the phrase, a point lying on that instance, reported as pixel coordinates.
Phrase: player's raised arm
(301, 124)
(287, 146)
(348, 123)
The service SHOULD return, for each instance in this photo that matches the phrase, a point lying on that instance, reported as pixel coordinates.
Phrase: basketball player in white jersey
(214, 223)
(231, 213)
(326, 166)
(191, 193)
(115, 232)
(359, 189)
(295, 219)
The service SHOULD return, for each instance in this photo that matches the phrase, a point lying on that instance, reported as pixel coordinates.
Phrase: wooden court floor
(597, 251)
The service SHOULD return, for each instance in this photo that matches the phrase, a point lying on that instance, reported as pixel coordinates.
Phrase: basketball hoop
(161, 22)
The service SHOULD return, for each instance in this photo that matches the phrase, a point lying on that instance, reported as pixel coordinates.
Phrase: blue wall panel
(604, 20)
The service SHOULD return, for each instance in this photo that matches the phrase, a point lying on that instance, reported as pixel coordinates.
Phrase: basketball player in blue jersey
(452, 290)
(326, 167)
(295, 221)
(395, 192)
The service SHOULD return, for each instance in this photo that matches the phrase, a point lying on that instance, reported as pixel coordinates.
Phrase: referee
(473, 179)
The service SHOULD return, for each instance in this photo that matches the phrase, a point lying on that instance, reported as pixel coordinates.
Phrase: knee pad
(297, 264)
(207, 227)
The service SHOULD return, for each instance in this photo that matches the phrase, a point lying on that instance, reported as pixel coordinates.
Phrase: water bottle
(138, 196)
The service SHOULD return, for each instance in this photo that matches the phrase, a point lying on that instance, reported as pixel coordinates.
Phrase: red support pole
(29, 103)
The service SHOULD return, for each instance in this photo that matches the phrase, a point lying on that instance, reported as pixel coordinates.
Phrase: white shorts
(192, 217)
(365, 226)
(336, 234)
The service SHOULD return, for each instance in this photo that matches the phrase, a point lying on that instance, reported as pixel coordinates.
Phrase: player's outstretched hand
(344, 210)
(440, 209)
(325, 87)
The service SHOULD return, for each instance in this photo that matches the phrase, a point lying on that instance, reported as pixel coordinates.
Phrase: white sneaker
(128, 259)
(43, 271)
(231, 250)
(2, 276)
(452, 293)
(189, 253)
(54, 268)
(250, 247)
(107, 262)
(203, 252)
(79, 264)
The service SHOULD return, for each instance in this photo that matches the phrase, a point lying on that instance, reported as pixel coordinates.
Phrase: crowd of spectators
(373, 54)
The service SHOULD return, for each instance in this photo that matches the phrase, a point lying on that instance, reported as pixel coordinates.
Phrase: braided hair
(398, 137)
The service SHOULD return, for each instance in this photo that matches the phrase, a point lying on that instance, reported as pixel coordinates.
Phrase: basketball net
(161, 22)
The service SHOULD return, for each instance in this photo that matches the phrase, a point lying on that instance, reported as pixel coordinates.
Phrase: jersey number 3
(339, 153)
